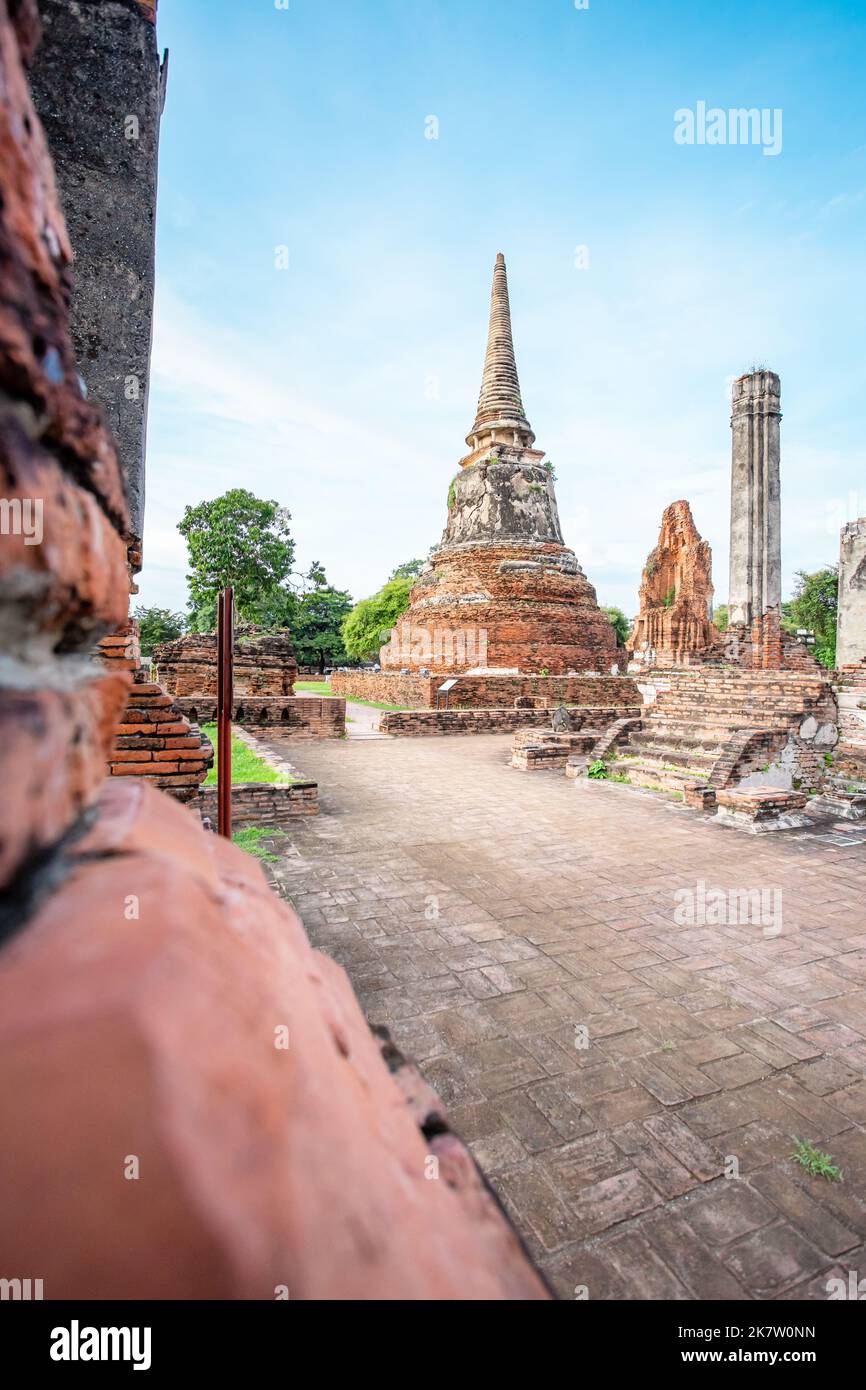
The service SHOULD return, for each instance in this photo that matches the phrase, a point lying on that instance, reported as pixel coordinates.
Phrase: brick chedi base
(502, 592)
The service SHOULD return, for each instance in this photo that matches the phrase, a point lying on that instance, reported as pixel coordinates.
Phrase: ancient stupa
(502, 592)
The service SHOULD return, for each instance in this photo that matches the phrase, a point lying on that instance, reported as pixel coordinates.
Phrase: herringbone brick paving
(485, 915)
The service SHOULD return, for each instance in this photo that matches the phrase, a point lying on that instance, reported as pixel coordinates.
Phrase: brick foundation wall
(533, 750)
(485, 692)
(295, 716)
(264, 665)
(262, 803)
(481, 721)
(456, 721)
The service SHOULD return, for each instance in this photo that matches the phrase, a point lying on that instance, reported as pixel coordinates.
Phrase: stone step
(701, 759)
(647, 772)
(711, 731)
(749, 717)
(723, 701)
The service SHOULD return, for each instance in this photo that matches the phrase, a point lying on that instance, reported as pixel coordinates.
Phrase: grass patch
(253, 839)
(600, 772)
(246, 765)
(322, 688)
(372, 704)
(819, 1164)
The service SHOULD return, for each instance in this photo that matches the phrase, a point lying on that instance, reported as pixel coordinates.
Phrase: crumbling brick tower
(502, 592)
(674, 624)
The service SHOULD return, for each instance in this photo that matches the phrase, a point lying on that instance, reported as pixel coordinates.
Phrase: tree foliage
(620, 624)
(815, 606)
(410, 570)
(317, 626)
(241, 540)
(721, 617)
(157, 625)
(368, 626)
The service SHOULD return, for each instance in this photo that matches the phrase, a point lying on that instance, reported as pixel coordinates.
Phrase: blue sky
(344, 385)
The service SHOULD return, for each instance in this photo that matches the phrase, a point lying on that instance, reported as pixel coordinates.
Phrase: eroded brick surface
(485, 930)
(676, 593)
(165, 1009)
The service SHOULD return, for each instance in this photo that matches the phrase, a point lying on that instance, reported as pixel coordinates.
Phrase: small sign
(448, 685)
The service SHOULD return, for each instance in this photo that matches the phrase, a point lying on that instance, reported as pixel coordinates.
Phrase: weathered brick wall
(456, 721)
(489, 721)
(153, 739)
(63, 575)
(485, 692)
(415, 692)
(264, 664)
(295, 716)
(262, 803)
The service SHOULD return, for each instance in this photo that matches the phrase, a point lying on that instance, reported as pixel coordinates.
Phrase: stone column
(755, 591)
(851, 629)
(98, 87)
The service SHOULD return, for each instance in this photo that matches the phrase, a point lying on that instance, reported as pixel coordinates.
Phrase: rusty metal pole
(225, 696)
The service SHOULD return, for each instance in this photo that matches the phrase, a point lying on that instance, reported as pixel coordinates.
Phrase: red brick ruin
(162, 1014)
(674, 625)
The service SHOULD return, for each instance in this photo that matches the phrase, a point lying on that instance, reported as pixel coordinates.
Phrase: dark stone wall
(98, 87)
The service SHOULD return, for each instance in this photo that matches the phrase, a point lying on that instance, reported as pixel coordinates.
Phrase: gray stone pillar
(851, 629)
(98, 87)
(756, 554)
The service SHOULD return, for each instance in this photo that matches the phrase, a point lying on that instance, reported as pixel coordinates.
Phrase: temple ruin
(502, 592)
(264, 664)
(265, 671)
(674, 625)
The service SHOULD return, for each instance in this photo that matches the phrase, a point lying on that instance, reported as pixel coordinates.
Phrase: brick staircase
(706, 720)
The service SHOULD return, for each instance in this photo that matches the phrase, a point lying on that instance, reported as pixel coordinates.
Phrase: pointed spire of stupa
(500, 411)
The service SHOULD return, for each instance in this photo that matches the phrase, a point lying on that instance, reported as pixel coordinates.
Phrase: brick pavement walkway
(706, 1043)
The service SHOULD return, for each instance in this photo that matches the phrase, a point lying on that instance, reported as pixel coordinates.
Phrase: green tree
(157, 625)
(620, 624)
(242, 540)
(317, 627)
(815, 606)
(367, 627)
(410, 570)
(721, 617)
